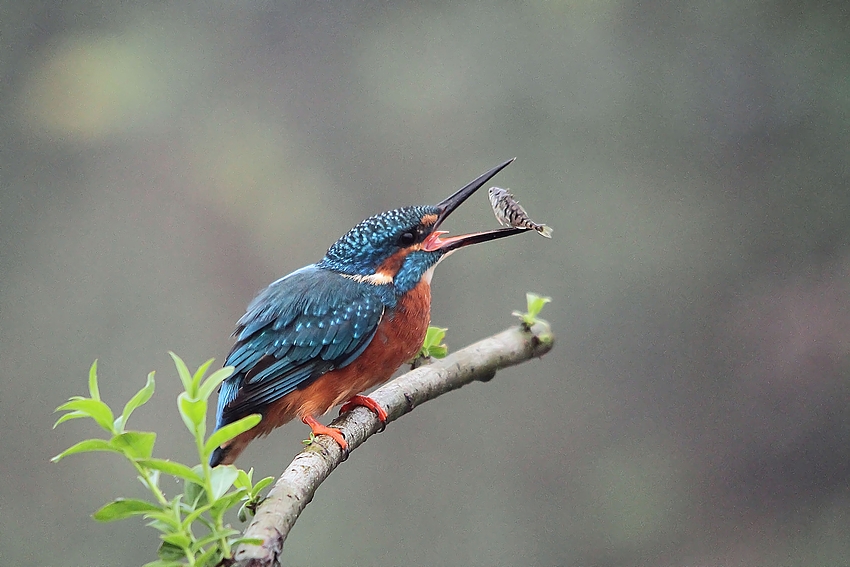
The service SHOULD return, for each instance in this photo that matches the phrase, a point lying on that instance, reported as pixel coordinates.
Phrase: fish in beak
(435, 240)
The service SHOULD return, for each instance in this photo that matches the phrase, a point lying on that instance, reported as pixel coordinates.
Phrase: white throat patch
(379, 278)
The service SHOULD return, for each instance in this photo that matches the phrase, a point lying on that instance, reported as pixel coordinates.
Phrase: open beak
(433, 241)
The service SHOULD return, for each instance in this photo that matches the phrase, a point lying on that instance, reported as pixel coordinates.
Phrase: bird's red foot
(319, 429)
(366, 402)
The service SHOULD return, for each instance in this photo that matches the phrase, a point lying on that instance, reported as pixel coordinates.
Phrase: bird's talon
(366, 402)
(319, 429)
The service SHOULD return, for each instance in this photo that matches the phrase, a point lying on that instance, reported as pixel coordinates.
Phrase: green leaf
(214, 381)
(183, 372)
(162, 563)
(431, 346)
(202, 369)
(230, 431)
(170, 552)
(166, 516)
(254, 498)
(435, 335)
(535, 303)
(135, 444)
(178, 539)
(243, 480)
(175, 469)
(176, 508)
(194, 493)
(199, 375)
(193, 412)
(124, 508)
(212, 538)
(439, 351)
(141, 397)
(95, 409)
(194, 515)
(86, 446)
(247, 541)
(228, 501)
(261, 484)
(525, 317)
(161, 526)
(222, 478)
(212, 556)
(69, 416)
(153, 477)
(94, 392)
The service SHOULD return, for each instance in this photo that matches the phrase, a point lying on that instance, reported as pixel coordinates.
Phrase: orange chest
(401, 331)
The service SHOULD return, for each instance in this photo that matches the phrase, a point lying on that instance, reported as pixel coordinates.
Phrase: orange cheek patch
(392, 265)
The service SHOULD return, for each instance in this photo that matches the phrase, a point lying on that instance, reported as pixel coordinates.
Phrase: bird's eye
(407, 239)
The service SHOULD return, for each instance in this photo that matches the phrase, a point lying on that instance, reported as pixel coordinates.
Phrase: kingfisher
(324, 334)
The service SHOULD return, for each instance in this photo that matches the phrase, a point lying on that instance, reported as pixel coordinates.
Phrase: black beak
(448, 205)
(434, 242)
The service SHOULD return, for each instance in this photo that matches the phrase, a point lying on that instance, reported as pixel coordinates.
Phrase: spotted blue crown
(371, 241)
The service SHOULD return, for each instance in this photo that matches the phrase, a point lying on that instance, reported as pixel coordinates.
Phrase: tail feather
(218, 456)
(227, 453)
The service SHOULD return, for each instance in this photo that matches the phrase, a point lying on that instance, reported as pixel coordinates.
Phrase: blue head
(387, 248)
(400, 247)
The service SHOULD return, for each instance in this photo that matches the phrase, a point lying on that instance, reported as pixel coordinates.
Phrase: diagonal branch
(296, 486)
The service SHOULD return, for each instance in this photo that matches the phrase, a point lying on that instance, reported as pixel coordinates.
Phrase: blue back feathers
(298, 328)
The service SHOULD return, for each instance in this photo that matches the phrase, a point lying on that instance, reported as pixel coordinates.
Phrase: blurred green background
(163, 161)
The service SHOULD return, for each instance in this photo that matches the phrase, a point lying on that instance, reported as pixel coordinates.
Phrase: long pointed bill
(448, 205)
(434, 242)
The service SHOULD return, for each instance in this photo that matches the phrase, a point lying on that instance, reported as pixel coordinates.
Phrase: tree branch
(296, 486)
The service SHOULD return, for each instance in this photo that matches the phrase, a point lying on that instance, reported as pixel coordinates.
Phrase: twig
(296, 486)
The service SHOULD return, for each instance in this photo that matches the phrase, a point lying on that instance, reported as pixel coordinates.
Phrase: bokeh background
(163, 161)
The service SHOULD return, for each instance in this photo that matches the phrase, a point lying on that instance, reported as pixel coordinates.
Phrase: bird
(329, 331)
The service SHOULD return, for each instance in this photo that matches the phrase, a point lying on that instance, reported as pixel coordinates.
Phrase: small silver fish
(510, 213)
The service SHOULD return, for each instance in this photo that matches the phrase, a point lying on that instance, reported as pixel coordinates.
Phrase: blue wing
(300, 327)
